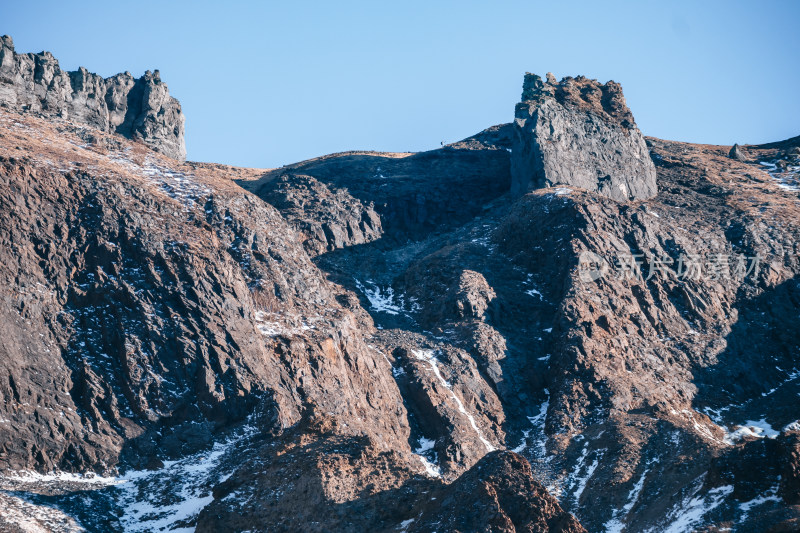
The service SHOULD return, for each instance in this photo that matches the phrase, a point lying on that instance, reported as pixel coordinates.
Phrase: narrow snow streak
(582, 481)
(615, 525)
(689, 513)
(430, 358)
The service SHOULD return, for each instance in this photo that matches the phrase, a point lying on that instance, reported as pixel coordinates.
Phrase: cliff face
(579, 132)
(394, 342)
(139, 109)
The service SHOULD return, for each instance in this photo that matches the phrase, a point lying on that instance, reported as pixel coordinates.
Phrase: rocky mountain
(137, 108)
(554, 325)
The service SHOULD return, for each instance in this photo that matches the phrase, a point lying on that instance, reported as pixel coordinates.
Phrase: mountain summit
(136, 108)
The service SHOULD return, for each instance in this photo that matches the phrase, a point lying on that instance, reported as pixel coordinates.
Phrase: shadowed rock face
(139, 109)
(315, 476)
(579, 132)
(325, 219)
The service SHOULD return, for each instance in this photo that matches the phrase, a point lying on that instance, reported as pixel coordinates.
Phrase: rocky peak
(139, 109)
(579, 132)
(605, 100)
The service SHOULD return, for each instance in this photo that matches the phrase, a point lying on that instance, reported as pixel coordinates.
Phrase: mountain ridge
(366, 341)
(136, 108)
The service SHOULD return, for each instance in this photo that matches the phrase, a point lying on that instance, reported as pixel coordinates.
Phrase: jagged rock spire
(140, 109)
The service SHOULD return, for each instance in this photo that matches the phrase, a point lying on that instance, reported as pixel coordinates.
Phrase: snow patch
(428, 457)
(689, 513)
(385, 300)
(431, 470)
(534, 292)
(752, 428)
(405, 523)
(185, 483)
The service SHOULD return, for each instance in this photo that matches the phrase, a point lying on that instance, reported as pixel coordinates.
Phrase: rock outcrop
(413, 193)
(162, 300)
(317, 477)
(499, 493)
(736, 153)
(138, 108)
(579, 132)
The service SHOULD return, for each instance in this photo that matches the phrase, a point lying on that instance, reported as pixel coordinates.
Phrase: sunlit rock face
(138, 108)
(579, 132)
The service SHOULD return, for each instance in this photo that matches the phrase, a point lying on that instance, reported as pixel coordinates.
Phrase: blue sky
(264, 84)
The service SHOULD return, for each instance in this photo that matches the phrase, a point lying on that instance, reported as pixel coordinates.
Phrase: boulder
(736, 153)
(579, 132)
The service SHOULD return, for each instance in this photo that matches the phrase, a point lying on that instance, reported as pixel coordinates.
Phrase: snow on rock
(22, 478)
(431, 469)
(430, 357)
(539, 447)
(689, 513)
(615, 525)
(21, 515)
(385, 300)
(533, 291)
(787, 178)
(169, 498)
(275, 324)
(752, 428)
(770, 496)
(428, 457)
(794, 426)
(405, 523)
(583, 480)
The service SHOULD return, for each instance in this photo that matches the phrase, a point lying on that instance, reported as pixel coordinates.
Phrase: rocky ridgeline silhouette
(140, 109)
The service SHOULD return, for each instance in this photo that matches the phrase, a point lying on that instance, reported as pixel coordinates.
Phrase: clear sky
(268, 83)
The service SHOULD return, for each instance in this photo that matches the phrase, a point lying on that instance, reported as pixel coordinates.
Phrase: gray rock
(736, 153)
(579, 132)
(139, 109)
(325, 219)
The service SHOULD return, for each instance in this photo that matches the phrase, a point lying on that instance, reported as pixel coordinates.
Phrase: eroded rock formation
(138, 108)
(579, 132)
